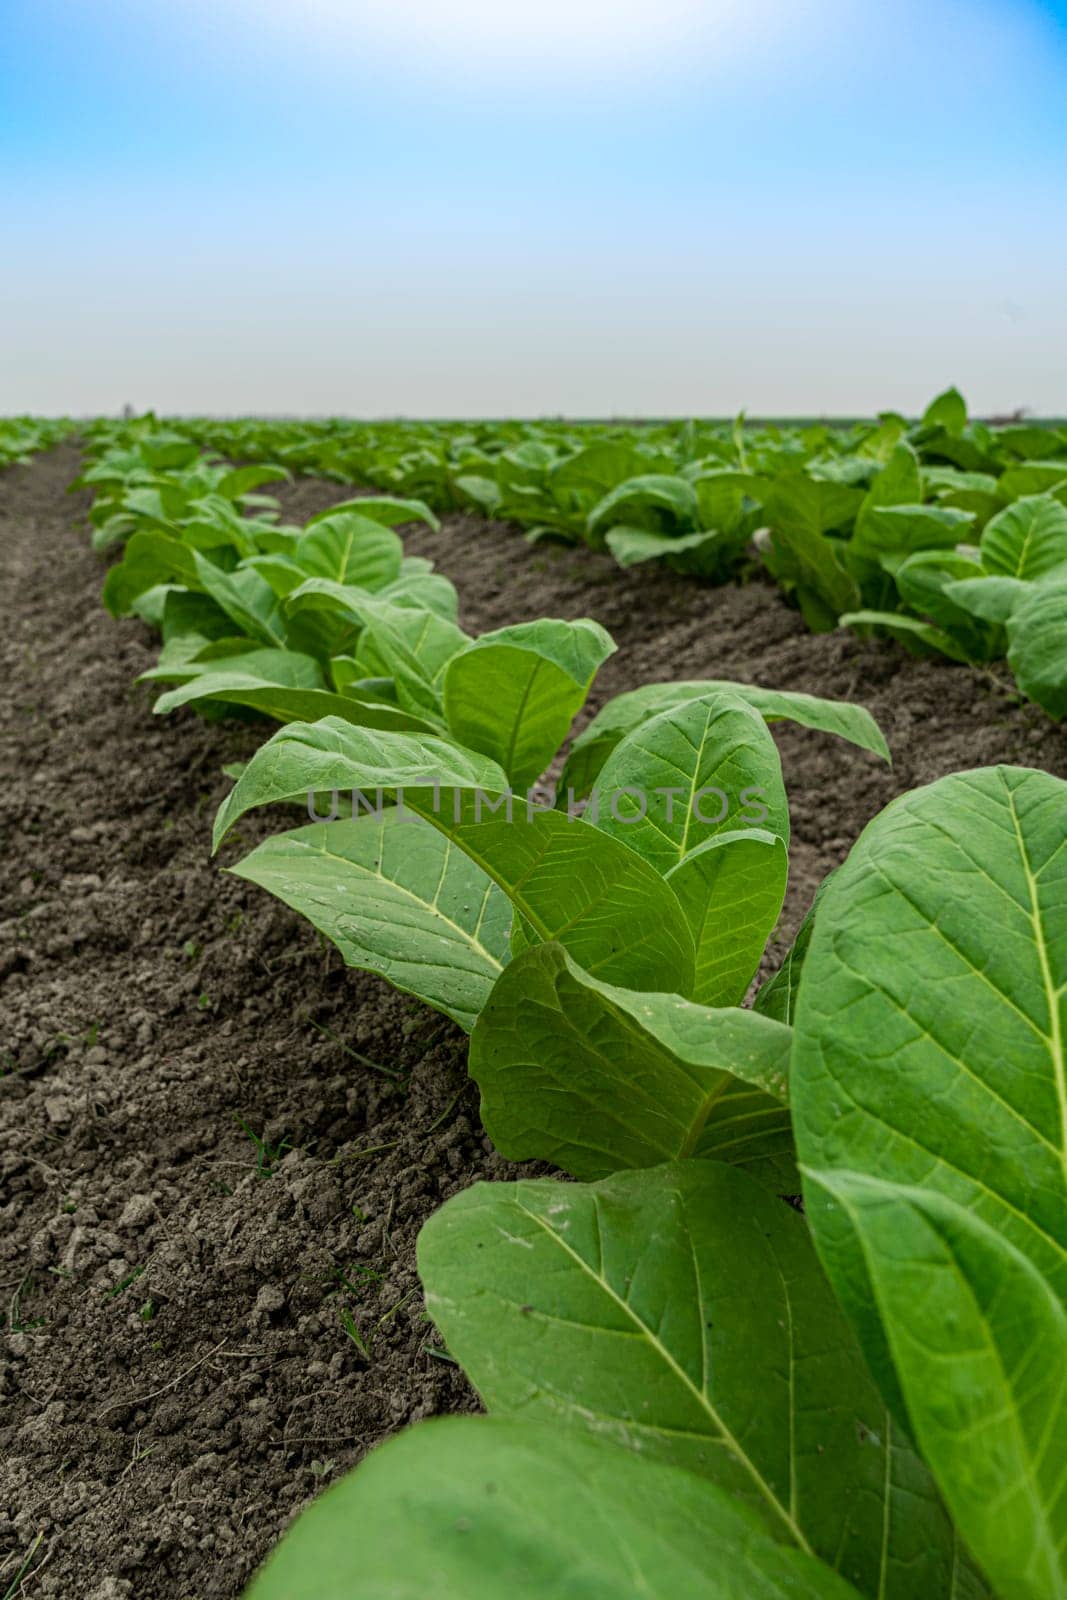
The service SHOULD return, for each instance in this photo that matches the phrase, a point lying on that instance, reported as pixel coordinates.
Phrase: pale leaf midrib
(701, 1398)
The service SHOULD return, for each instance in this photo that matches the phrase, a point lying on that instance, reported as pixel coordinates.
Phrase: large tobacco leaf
(979, 1342)
(1034, 478)
(349, 549)
(1037, 645)
(513, 693)
(930, 1027)
(708, 553)
(899, 482)
(889, 531)
(409, 644)
(628, 711)
(659, 502)
(596, 1078)
(1028, 539)
(731, 889)
(475, 1508)
(924, 582)
(800, 511)
(151, 557)
(699, 769)
(283, 684)
(247, 599)
(930, 1057)
(917, 636)
(398, 898)
(389, 510)
(616, 915)
(681, 1311)
(314, 758)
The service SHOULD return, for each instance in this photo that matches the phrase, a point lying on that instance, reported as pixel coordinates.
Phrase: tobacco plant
(447, 865)
(678, 1403)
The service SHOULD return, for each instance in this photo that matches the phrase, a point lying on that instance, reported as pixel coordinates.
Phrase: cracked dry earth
(216, 1144)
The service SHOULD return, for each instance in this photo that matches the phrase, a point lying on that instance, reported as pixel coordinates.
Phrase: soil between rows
(176, 1378)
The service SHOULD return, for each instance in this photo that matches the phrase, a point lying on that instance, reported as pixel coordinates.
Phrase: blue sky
(457, 207)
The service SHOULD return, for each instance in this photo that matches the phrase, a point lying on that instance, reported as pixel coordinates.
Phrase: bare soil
(216, 1144)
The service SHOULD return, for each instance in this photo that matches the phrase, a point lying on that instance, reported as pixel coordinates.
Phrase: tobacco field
(535, 987)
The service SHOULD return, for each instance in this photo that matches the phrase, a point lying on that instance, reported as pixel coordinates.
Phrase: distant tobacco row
(948, 535)
(693, 1389)
(22, 437)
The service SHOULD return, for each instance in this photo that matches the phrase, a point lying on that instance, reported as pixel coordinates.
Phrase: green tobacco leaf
(151, 605)
(627, 711)
(186, 612)
(150, 558)
(1036, 477)
(385, 509)
(806, 507)
(243, 480)
(187, 654)
(351, 550)
(731, 888)
(658, 496)
(596, 469)
(777, 998)
(409, 645)
(613, 911)
(1028, 539)
(514, 692)
(920, 638)
(899, 482)
(992, 599)
(280, 571)
(1037, 646)
(704, 553)
(947, 410)
(681, 1311)
(594, 1078)
(214, 523)
(968, 491)
(166, 452)
(728, 500)
(247, 599)
(162, 502)
(900, 530)
(422, 587)
(924, 581)
(979, 1346)
(800, 510)
(698, 769)
(1029, 440)
(398, 898)
(485, 492)
(475, 1508)
(285, 685)
(318, 757)
(929, 1033)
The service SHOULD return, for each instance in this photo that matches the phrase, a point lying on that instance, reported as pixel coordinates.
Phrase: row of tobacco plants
(695, 1385)
(949, 535)
(22, 437)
